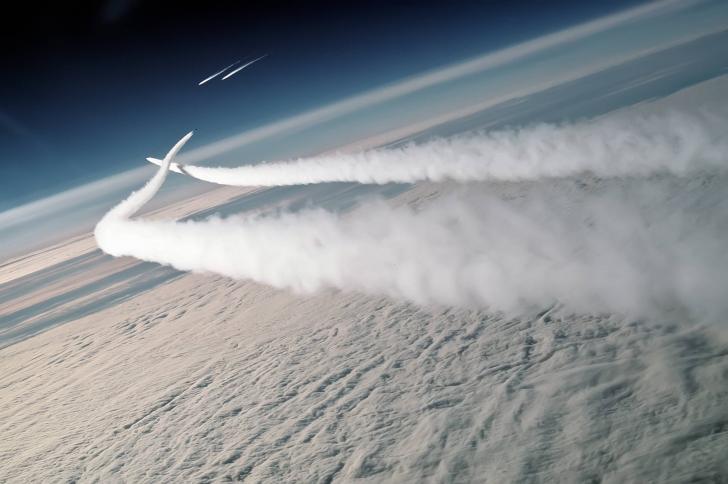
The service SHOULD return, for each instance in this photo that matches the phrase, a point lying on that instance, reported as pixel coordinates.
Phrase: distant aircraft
(243, 67)
(217, 73)
(174, 166)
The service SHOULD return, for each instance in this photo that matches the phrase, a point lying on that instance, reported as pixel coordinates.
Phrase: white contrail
(638, 246)
(137, 199)
(232, 73)
(217, 74)
(614, 146)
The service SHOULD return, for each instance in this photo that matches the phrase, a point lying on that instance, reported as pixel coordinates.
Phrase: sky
(90, 92)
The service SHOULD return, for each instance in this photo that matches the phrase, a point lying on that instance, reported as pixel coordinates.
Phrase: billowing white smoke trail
(613, 146)
(632, 246)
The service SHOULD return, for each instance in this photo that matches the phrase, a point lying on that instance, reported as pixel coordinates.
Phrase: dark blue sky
(91, 89)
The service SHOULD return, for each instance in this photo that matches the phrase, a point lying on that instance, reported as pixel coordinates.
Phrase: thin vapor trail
(217, 73)
(232, 73)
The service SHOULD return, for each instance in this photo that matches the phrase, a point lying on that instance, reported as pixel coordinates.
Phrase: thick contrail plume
(633, 246)
(613, 146)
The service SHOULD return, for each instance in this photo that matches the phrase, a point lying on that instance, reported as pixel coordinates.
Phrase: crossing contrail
(243, 67)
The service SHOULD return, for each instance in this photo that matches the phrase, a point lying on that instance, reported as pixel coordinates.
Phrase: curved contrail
(138, 199)
(617, 146)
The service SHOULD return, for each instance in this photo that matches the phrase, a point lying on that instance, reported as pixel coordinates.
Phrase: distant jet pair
(233, 72)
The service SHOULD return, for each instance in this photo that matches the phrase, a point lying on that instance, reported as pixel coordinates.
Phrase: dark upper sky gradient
(91, 88)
